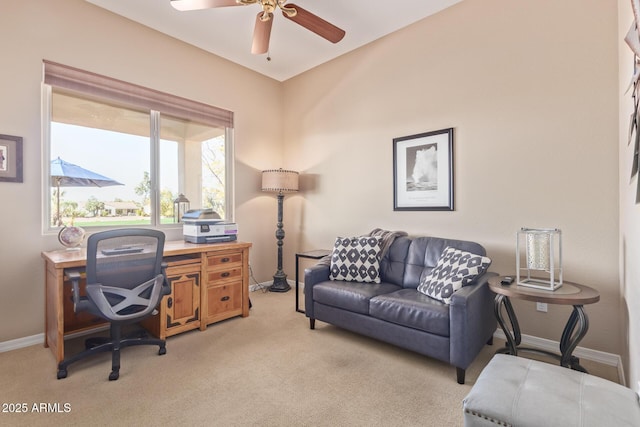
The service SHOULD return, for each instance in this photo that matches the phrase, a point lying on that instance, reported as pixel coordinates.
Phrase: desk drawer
(224, 274)
(226, 259)
(224, 301)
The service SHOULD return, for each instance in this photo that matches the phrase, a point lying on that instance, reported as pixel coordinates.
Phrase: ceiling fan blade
(184, 5)
(261, 34)
(315, 24)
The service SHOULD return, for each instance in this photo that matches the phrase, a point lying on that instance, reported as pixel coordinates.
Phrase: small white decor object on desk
(71, 237)
(542, 257)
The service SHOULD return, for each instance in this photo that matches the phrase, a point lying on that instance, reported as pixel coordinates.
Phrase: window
(119, 154)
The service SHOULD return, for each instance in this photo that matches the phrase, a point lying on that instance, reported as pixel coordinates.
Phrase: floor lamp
(279, 181)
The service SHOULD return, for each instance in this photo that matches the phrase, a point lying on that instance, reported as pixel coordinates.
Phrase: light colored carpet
(268, 369)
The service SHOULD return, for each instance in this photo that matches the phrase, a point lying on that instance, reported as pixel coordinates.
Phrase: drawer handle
(225, 259)
(227, 298)
(169, 302)
(225, 274)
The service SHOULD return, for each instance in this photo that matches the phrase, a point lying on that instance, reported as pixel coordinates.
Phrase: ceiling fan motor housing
(264, 19)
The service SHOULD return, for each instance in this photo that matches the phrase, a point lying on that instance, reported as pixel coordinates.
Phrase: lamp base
(279, 284)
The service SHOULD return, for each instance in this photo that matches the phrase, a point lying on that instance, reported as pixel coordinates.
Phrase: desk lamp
(279, 181)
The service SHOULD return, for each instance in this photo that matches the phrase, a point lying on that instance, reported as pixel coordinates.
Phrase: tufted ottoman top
(513, 391)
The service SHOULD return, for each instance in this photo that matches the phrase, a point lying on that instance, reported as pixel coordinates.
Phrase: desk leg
(54, 311)
(298, 285)
(571, 337)
(512, 334)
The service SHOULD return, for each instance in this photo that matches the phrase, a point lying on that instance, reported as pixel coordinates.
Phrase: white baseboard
(602, 357)
(21, 343)
(260, 286)
(39, 339)
(264, 285)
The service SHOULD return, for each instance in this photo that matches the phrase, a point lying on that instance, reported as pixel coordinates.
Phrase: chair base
(113, 344)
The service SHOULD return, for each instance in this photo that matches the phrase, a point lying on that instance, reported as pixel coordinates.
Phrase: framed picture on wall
(10, 158)
(423, 171)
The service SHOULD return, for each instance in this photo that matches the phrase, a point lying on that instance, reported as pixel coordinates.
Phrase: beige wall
(530, 88)
(78, 34)
(629, 214)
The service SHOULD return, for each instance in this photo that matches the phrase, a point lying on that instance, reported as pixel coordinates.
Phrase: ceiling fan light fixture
(186, 5)
(265, 16)
(264, 20)
(268, 6)
(289, 11)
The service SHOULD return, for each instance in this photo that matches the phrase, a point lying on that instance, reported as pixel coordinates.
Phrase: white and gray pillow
(356, 259)
(455, 269)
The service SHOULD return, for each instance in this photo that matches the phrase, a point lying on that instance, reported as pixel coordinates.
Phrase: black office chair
(125, 283)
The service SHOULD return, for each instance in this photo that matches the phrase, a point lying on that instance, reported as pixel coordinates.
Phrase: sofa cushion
(393, 262)
(424, 254)
(408, 307)
(350, 296)
(356, 259)
(455, 269)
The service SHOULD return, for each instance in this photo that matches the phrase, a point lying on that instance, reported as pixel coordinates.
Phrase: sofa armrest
(312, 275)
(472, 321)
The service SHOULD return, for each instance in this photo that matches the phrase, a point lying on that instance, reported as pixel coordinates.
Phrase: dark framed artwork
(423, 171)
(10, 158)
(633, 41)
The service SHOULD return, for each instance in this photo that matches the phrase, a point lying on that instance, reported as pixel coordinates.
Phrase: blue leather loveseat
(394, 310)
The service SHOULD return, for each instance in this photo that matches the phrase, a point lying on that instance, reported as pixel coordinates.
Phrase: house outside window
(137, 153)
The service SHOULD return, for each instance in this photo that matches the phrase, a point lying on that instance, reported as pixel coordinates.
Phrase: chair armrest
(472, 321)
(313, 275)
(74, 276)
(166, 286)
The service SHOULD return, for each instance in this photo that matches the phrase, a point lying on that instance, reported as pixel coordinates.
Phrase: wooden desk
(217, 290)
(568, 294)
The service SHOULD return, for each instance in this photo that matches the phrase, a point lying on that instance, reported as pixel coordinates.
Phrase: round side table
(569, 293)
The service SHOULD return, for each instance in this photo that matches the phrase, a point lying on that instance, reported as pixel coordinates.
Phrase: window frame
(99, 87)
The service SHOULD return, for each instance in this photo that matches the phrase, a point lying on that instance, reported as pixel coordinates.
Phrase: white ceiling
(228, 31)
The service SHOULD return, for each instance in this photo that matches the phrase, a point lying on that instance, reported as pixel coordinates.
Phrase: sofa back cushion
(423, 255)
(393, 262)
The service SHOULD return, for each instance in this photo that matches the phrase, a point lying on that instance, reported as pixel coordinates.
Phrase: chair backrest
(124, 272)
(124, 257)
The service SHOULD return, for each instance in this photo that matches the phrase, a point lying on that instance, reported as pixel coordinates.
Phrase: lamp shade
(279, 180)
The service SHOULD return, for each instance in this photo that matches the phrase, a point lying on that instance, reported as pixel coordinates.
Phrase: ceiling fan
(264, 20)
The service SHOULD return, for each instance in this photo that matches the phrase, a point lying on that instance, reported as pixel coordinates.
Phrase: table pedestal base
(575, 329)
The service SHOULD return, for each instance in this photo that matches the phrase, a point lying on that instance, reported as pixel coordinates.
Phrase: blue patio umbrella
(65, 174)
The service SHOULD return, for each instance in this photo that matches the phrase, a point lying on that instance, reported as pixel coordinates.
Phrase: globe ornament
(71, 237)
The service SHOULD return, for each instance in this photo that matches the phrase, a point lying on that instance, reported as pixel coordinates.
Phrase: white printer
(206, 226)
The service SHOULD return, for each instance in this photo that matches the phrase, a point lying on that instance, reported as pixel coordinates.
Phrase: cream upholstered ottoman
(513, 391)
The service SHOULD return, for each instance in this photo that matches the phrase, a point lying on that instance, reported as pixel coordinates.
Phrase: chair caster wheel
(162, 350)
(62, 373)
(114, 375)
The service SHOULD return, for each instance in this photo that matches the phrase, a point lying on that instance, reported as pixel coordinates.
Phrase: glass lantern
(539, 253)
(180, 207)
